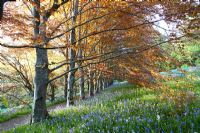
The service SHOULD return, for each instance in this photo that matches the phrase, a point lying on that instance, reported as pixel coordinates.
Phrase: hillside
(128, 108)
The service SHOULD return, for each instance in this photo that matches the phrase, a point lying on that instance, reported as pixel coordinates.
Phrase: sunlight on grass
(24, 111)
(120, 109)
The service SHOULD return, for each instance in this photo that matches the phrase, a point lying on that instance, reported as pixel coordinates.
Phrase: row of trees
(91, 42)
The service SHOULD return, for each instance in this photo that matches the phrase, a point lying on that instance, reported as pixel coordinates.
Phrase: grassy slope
(24, 111)
(121, 109)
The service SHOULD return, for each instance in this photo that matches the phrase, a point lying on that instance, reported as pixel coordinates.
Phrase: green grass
(24, 111)
(5, 117)
(121, 109)
(191, 82)
(127, 108)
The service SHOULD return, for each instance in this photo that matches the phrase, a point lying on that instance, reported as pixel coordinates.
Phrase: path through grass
(122, 109)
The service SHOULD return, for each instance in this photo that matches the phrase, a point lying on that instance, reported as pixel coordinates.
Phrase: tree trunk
(72, 54)
(88, 85)
(80, 69)
(40, 84)
(81, 83)
(97, 85)
(91, 83)
(100, 83)
(65, 87)
(41, 70)
(71, 78)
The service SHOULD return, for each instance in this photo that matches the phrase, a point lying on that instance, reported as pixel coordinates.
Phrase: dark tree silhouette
(1, 7)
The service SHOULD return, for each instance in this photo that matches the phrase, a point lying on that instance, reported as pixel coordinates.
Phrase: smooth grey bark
(67, 68)
(66, 76)
(81, 83)
(65, 87)
(40, 84)
(41, 70)
(88, 84)
(91, 83)
(97, 85)
(71, 78)
(95, 82)
(100, 83)
(81, 80)
(71, 55)
(80, 69)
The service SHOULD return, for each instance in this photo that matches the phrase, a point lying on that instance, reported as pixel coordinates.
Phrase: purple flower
(192, 125)
(147, 130)
(183, 123)
(195, 114)
(149, 120)
(85, 117)
(88, 123)
(180, 129)
(71, 130)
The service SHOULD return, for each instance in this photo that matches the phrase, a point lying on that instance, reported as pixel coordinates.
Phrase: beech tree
(72, 54)
(119, 35)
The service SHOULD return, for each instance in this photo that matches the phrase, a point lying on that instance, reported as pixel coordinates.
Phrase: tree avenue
(89, 44)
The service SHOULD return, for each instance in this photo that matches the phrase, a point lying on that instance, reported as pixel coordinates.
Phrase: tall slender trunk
(95, 82)
(98, 85)
(104, 84)
(66, 57)
(81, 81)
(72, 54)
(91, 83)
(71, 78)
(88, 84)
(41, 69)
(65, 87)
(80, 69)
(66, 76)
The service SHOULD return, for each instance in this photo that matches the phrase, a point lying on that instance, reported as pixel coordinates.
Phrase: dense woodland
(115, 65)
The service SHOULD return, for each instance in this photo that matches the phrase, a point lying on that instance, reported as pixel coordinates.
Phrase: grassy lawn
(128, 109)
